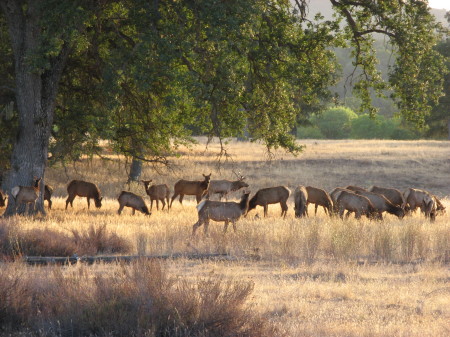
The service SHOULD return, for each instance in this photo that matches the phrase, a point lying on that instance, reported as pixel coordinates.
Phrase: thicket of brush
(136, 300)
(98, 239)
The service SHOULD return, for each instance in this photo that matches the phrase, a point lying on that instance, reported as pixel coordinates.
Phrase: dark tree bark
(35, 96)
(135, 170)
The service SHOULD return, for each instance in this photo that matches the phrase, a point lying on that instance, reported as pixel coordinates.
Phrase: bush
(366, 127)
(335, 123)
(309, 132)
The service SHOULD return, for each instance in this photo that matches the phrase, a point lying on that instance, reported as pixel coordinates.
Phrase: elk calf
(26, 194)
(319, 197)
(300, 200)
(187, 187)
(83, 189)
(157, 192)
(220, 211)
(271, 195)
(136, 202)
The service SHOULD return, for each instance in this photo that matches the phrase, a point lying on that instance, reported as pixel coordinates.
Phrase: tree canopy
(145, 74)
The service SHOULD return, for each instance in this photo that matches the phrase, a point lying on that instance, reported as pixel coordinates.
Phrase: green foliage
(309, 132)
(335, 123)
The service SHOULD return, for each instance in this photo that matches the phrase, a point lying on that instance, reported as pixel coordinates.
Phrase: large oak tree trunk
(35, 97)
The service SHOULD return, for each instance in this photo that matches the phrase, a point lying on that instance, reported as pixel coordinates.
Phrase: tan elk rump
(136, 202)
(271, 195)
(223, 187)
(391, 194)
(188, 187)
(26, 194)
(227, 211)
(382, 204)
(353, 202)
(319, 197)
(157, 192)
(300, 201)
(83, 189)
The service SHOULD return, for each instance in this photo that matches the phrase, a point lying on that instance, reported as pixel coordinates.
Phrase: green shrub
(366, 127)
(309, 132)
(335, 123)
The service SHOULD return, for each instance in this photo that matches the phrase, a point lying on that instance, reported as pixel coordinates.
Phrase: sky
(439, 4)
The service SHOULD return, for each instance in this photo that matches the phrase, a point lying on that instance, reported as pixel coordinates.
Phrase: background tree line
(145, 75)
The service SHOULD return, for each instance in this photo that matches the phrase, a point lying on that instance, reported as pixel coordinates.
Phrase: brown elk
(353, 202)
(271, 195)
(391, 194)
(382, 204)
(319, 197)
(221, 211)
(26, 194)
(300, 201)
(48, 191)
(157, 192)
(429, 204)
(2, 199)
(188, 187)
(83, 189)
(223, 187)
(136, 202)
(334, 194)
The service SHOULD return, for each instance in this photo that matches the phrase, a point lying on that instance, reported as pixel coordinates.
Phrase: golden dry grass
(316, 276)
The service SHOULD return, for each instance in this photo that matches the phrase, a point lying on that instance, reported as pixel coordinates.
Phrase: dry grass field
(318, 276)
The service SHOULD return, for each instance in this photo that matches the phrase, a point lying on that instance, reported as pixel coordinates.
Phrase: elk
(26, 194)
(223, 187)
(48, 191)
(157, 192)
(188, 187)
(221, 211)
(83, 189)
(334, 195)
(300, 201)
(319, 197)
(136, 202)
(271, 195)
(391, 194)
(428, 203)
(2, 199)
(353, 202)
(382, 204)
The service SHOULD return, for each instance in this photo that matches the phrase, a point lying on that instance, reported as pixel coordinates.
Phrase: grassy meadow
(317, 276)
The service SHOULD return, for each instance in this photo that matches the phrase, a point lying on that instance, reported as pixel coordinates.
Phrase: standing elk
(334, 195)
(48, 191)
(391, 194)
(223, 187)
(157, 192)
(26, 194)
(227, 211)
(353, 202)
(271, 195)
(136, 202)
(83, 189)
(188, 187)
(2, 199)
(300, 201)
(382, 204)
(319, 197)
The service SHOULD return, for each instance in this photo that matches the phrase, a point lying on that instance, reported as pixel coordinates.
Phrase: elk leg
(196, 225)
(157, 204)
(198, 197)
(49, 204)
(173, 198)
(134, 211)
(205, 227)
(163, 203)
(168, 205)
(234, 225)
(89, 202)
(341, 213)
(120, 209)
(151, 204)
(70, 200)
(265, 210)
(284, 209)
(181, 198)
(315, 208)
(225, 227)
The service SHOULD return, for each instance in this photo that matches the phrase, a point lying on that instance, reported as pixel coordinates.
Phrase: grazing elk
(271, 195)
(26, 194)
(83, 189)
(187, 187)
(382, 204)
(334, 194)
(391, 194)
(428, 203)
(300, 201)
(221, 211)
(157, 192)
(136, 202)
(223, 187)
(2, 199)
(353, 202)
(319, 197)
(48, 191)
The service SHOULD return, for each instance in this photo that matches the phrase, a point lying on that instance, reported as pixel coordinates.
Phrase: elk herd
(371, 202)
